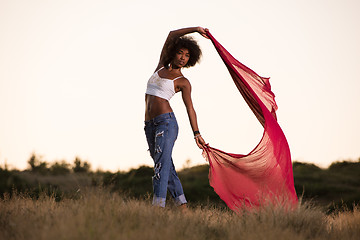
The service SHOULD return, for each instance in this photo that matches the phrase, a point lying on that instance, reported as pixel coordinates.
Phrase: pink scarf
(265, 174)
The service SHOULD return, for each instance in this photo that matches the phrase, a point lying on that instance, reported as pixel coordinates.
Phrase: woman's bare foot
(184, 208)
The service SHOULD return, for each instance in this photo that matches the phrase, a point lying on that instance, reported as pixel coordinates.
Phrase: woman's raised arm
(175, 34)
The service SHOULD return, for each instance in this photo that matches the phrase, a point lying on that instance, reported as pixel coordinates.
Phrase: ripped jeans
(161, 133)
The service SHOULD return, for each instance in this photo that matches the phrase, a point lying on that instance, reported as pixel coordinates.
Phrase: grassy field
(99, 214)
(59, 202)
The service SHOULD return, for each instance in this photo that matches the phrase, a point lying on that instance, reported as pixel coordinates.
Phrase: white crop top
(161, 87)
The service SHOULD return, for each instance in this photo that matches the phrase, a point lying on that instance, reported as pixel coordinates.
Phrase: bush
(346, 166)
(10, 182)
(37, 165)
(60, 168)
(80, 166)
(136, 183)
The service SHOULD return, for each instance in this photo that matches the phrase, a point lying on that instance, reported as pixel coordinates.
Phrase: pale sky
(73, 76)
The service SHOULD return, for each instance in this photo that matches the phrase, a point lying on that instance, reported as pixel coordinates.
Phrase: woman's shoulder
(159, 67)
(182, 82)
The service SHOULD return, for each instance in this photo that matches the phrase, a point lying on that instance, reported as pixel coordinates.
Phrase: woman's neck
(174, 69)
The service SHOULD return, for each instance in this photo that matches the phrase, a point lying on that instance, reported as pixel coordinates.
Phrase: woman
(161, 128)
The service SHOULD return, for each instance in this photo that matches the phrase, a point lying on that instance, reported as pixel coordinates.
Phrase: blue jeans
(161, 133)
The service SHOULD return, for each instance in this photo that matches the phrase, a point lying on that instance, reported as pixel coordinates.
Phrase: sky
(73, 76)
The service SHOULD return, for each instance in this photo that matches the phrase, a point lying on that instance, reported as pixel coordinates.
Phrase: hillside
(331, 188)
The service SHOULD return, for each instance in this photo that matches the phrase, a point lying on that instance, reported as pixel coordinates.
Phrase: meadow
(99, 214)
(64, 201)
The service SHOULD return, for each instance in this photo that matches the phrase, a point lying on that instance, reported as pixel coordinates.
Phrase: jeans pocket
(161, 122)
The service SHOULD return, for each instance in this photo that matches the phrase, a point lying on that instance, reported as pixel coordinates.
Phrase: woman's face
(182, 56)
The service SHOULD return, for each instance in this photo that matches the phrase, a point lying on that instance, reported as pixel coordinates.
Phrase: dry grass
(98, 214)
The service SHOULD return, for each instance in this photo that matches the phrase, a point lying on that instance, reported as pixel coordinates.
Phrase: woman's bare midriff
(155, 106)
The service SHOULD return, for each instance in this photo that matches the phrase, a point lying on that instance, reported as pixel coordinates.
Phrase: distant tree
(300, 167)
(345, 166)
(187, 163)
(37, 165)
(81, 166)
(60, 168)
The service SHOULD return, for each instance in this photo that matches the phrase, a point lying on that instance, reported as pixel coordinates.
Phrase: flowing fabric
(265, 174)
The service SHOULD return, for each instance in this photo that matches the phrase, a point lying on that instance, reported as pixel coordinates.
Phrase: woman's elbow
(171, 34)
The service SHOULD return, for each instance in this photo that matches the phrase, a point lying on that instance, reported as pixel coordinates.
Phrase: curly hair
(182, 42)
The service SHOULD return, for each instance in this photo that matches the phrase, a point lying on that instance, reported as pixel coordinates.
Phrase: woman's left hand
(203, 31)
(200, 141)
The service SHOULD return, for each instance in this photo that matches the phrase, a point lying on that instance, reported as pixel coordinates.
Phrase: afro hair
(182, 42)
